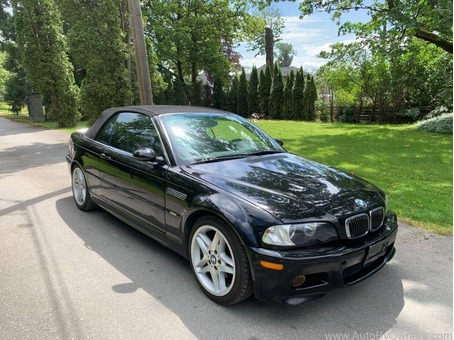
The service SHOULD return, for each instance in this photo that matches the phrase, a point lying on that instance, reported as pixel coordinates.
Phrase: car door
(134, 187)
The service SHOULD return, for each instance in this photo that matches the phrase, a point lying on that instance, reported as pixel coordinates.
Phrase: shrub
(438, 111)
(413, 114)
(438, 124)
(347, 115)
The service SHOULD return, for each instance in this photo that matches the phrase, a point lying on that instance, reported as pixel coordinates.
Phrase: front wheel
(80, 190)
(219, 262)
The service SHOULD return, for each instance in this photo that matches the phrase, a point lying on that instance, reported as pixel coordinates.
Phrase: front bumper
(69, 161)
(323, 269)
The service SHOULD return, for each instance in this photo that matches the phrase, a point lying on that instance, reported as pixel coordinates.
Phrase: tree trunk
(331, 105)
(269, 46)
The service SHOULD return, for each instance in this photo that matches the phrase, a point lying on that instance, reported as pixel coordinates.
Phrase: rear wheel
(219, 262)
(80, 190)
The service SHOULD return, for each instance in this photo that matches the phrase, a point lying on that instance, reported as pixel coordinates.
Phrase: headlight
(391, 220)
(304, 234)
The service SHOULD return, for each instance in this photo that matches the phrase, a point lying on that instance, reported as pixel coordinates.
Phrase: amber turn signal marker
(271, 265)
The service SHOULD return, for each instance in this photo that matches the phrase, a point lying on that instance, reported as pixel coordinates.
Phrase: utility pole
(143, 71)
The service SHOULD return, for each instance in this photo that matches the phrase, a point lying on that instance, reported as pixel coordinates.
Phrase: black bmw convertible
(251, 218)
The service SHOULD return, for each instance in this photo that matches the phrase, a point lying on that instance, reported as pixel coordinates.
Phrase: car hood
(290, 187)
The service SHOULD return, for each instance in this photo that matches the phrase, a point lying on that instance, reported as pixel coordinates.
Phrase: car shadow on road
(369, 307)
(22, 157)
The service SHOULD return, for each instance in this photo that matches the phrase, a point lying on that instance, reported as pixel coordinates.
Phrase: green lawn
(413, 167)
(23, 117)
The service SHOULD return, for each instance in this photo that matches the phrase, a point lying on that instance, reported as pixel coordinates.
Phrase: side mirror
(279, 141)
(145, 154)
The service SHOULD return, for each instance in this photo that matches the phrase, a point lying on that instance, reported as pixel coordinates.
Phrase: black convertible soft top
(149, 110)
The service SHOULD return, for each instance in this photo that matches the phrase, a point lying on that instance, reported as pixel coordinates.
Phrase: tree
(179, 92)
(14, 85)
(309, 98)
(297, 95)
(4, 74)
(232, 96)
(17, 86)
(97, 42)
(285, 55)
(264, 90)
(276, 95)
(392, 21)
(434, 70)
(218, 94)
(419, 76)
(194, 36)
(196, 93)
(6, 24)
(242, 95)
(43, 48)
(253, 94)
(287, 96)
(268, 17)
(207, 96)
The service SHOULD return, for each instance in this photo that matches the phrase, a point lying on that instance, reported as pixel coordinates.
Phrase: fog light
(298, 281)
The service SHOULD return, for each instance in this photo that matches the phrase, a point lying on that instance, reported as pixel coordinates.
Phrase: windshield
(202, 137)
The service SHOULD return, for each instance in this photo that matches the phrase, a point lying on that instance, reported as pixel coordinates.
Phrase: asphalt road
(65, 274)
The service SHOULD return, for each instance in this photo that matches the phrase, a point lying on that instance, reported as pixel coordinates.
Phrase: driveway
(65, 274)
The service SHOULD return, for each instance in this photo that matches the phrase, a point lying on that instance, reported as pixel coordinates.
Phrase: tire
(80, 190)
(219, 262)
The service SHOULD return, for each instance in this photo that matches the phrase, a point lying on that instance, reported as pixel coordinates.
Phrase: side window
(133, 131)
(105, 134)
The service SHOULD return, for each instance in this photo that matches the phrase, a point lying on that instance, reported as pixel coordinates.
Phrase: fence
(373, 115)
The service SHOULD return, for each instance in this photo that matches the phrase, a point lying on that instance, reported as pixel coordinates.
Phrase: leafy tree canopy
(267, 17)
(43, 47)
(285, 55)
(392, 22)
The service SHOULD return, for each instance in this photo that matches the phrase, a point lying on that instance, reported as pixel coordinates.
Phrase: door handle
(105, 156)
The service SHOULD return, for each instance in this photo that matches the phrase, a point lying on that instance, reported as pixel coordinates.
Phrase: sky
(308, 37)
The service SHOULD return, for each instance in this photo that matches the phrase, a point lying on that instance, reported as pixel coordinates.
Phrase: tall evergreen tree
(43, 47)
(242, 95)
(253, 94)
(287, 100)
(310, 96)
(297, 95)
(277, 94)
(314, 97)
(231, 100)
(264, 90)
(98, 46)
(218, 94)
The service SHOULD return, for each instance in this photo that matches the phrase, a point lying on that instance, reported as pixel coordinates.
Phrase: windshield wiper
(264, 152)
(220, 158)
(241, 155)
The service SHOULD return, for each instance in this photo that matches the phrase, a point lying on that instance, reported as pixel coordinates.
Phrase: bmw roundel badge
(360, 203)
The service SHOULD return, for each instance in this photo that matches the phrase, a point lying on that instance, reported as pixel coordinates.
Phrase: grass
(413, 167)
(23, 117)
